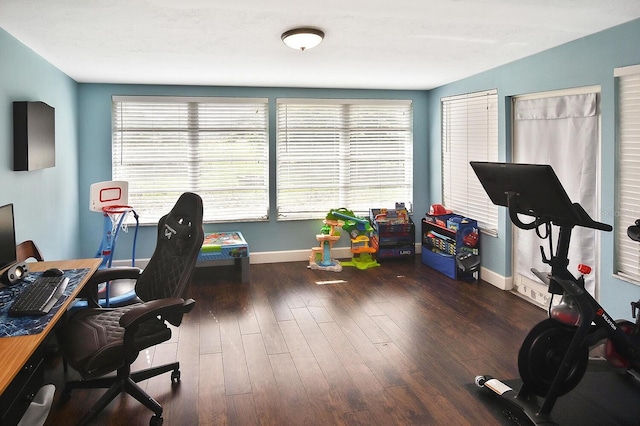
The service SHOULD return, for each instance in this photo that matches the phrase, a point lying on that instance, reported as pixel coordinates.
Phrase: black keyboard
(39, 297)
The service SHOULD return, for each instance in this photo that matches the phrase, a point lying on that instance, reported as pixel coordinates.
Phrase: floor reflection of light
(330, 282)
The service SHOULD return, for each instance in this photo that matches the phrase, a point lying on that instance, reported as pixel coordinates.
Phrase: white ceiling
(402, 44)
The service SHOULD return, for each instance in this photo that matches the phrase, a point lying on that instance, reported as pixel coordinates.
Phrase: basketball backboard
(108, 193)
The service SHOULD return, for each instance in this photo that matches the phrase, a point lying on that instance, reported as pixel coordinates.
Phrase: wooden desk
(15, 351)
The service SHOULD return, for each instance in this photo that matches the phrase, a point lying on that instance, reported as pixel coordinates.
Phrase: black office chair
(97, 341)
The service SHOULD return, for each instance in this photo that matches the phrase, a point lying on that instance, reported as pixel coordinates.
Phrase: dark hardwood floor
(393, 345)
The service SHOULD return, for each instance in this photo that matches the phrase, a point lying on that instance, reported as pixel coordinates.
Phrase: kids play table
(221, 247)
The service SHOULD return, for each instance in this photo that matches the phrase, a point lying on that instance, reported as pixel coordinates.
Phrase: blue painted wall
(52, 204)
(45, 201)
(585, 62)
(95, 163)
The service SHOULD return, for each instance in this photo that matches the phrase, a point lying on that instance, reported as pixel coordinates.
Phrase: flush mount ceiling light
(302, 38)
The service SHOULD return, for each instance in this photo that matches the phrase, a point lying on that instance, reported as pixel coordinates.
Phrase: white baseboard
(301, 255)
(294, 255)
(271, 256)
(503, 283)
(497, 280)
(263, 257)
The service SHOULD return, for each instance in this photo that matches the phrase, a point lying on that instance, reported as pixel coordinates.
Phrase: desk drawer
(16, 398)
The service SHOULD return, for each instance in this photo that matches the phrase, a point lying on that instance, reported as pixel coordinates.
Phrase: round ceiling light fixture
(302, 38)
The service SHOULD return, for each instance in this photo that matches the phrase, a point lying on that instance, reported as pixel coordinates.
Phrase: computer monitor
(7, 237)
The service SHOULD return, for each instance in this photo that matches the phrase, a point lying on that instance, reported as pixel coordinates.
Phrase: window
(334, 153)
(627, 254)
(216, 147)
(469, 133)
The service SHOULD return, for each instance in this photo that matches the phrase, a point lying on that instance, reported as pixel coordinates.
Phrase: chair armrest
(90, 290)
(116, 273)
(144, 311)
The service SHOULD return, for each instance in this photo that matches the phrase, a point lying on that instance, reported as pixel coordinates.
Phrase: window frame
(338, 128)
(205, 142)
(462, 192)
(627, 182)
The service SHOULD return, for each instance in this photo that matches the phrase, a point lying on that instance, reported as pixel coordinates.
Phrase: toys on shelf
(397, 216)
(394, 235)
(450, 244)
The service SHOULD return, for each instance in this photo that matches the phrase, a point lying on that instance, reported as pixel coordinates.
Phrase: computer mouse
(53, 272)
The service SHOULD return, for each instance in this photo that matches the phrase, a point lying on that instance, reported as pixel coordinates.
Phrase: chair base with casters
(99, 341)
(125, 381)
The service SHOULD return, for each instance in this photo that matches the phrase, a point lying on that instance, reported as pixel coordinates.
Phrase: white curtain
(563, 132)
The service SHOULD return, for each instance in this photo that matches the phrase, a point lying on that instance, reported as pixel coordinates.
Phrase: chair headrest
(188, 205)
(177, 227)
(179, 224)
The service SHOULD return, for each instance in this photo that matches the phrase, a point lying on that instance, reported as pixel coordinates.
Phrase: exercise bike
(555, 354)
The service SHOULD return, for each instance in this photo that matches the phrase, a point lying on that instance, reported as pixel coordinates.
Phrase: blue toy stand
(111, 229)
(110, 236)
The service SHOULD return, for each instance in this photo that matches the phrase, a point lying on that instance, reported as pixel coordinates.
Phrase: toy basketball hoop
(118, 215)
(115, 216)
(111, 198)
(108, 193)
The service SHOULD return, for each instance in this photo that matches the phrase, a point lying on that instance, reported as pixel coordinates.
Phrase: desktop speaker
(15, 273)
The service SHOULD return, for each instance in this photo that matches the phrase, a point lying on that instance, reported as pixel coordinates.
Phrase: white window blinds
(469, 133)
(216, 147)
(335, 153)
(627, 254)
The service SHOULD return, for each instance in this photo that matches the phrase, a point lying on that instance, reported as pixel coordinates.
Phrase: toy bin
(441, 262)
(394, 233)
(451, 245)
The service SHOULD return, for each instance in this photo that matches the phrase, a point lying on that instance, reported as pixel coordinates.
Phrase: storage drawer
(396, 240)
(16, 398)
(441, 262)
(399, 251)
